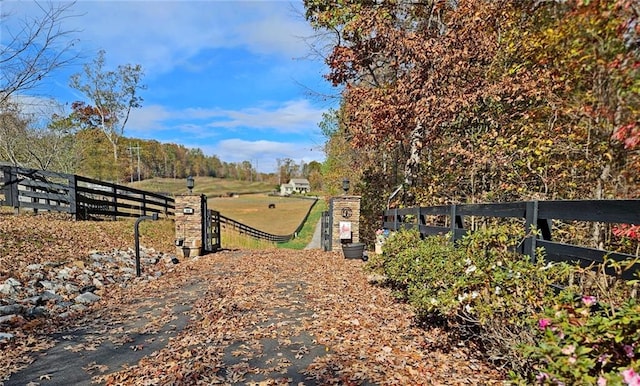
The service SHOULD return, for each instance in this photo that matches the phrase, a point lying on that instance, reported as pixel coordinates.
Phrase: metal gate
(325, 231)
(211, 234)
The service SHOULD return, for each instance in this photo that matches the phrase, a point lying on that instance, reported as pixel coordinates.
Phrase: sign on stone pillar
(345, 215)
(190, 211)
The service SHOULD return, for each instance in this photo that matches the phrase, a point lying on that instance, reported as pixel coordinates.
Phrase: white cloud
(262, 153)
(290, 117)
(161, 35)
(149, 118)
(296, 116)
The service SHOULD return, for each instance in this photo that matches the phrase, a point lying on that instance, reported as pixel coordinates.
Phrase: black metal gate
(325, 231)
(211, 236)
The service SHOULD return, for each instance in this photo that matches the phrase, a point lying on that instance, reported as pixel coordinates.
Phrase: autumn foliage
(479, 100)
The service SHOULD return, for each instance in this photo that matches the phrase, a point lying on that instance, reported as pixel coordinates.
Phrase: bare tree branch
(34, 47)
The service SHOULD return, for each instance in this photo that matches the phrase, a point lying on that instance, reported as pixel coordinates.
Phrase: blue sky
(234, 78)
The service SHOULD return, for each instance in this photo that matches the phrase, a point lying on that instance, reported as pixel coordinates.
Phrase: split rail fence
(262, 235)
(535, 215)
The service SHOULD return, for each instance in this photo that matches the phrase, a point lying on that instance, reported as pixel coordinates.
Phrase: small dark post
(345, 185)
(137, 238)
(190, 183)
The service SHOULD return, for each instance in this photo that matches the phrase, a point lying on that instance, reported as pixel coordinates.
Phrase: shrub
(484, 290)
(586, 342)
(480, 286)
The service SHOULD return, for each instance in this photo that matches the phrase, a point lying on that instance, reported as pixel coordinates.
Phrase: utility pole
(131, 163)
(138, 148)
(131, 149)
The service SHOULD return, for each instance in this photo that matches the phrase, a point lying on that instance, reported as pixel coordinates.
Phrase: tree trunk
(412, 166)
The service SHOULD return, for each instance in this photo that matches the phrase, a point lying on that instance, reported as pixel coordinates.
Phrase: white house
(295, 185)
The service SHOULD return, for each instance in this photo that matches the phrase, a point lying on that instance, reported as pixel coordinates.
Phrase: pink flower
(631, 377)
(602, 381)
(628, 350)
(544, 323)
(589, 300)
(568, 350)
(541, 377)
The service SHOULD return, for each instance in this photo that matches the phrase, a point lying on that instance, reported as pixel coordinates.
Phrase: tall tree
(113, 95)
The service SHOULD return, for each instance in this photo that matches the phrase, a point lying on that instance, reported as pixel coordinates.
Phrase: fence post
(115, 202)
(73, 197)
(531, 221)
(395, 219)
(452, 222)
(9, 184)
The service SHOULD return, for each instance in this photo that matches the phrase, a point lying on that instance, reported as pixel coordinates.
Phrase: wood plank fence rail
(262, 235)
(454, 219)
(84, 198)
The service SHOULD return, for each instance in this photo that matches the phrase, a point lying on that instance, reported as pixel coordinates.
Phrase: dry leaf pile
(255, 317)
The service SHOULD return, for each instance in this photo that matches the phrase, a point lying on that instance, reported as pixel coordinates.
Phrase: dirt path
(240, 317)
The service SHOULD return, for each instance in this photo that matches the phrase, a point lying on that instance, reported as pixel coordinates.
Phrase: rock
(11, 319)
(46, 284)
(36, 312)
(13, 282)
(79, 307)
(64, 274)
(97, 283)
(7, 289)
(151, 261)
(5, 337)
(84, 278)
(35, 300)
(87, 298)
(49, 296)
(79, 263)
(127, 270)
(71, 288)
(11, 309)
(88, 288)
(34, 267)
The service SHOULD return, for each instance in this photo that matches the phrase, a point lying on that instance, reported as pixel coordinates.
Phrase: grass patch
(253, 210)
(306, 233)
(231, 239)
(209, 186)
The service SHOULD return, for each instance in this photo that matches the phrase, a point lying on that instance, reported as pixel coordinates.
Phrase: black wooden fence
(536, 214)
(82, 197)
(262, 235)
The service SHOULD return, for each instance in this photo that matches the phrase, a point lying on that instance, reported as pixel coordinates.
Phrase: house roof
(299, 181)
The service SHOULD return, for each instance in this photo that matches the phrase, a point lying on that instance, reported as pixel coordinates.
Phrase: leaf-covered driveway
(255, 317)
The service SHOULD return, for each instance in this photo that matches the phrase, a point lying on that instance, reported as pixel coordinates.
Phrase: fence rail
(82, 197)
(262, 235)
(444, 219)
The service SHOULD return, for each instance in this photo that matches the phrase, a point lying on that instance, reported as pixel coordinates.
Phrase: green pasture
(251, 209)
(208, 186)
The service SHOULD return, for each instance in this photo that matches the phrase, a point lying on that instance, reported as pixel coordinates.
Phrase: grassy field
(250, 209)
(209, 186)
(253, 210)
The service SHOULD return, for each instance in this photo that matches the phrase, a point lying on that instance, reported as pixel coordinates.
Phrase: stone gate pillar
(190, 224)
(345, 221)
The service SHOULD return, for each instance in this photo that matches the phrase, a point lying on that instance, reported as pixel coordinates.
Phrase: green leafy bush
(483, 289)
(480, 285)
